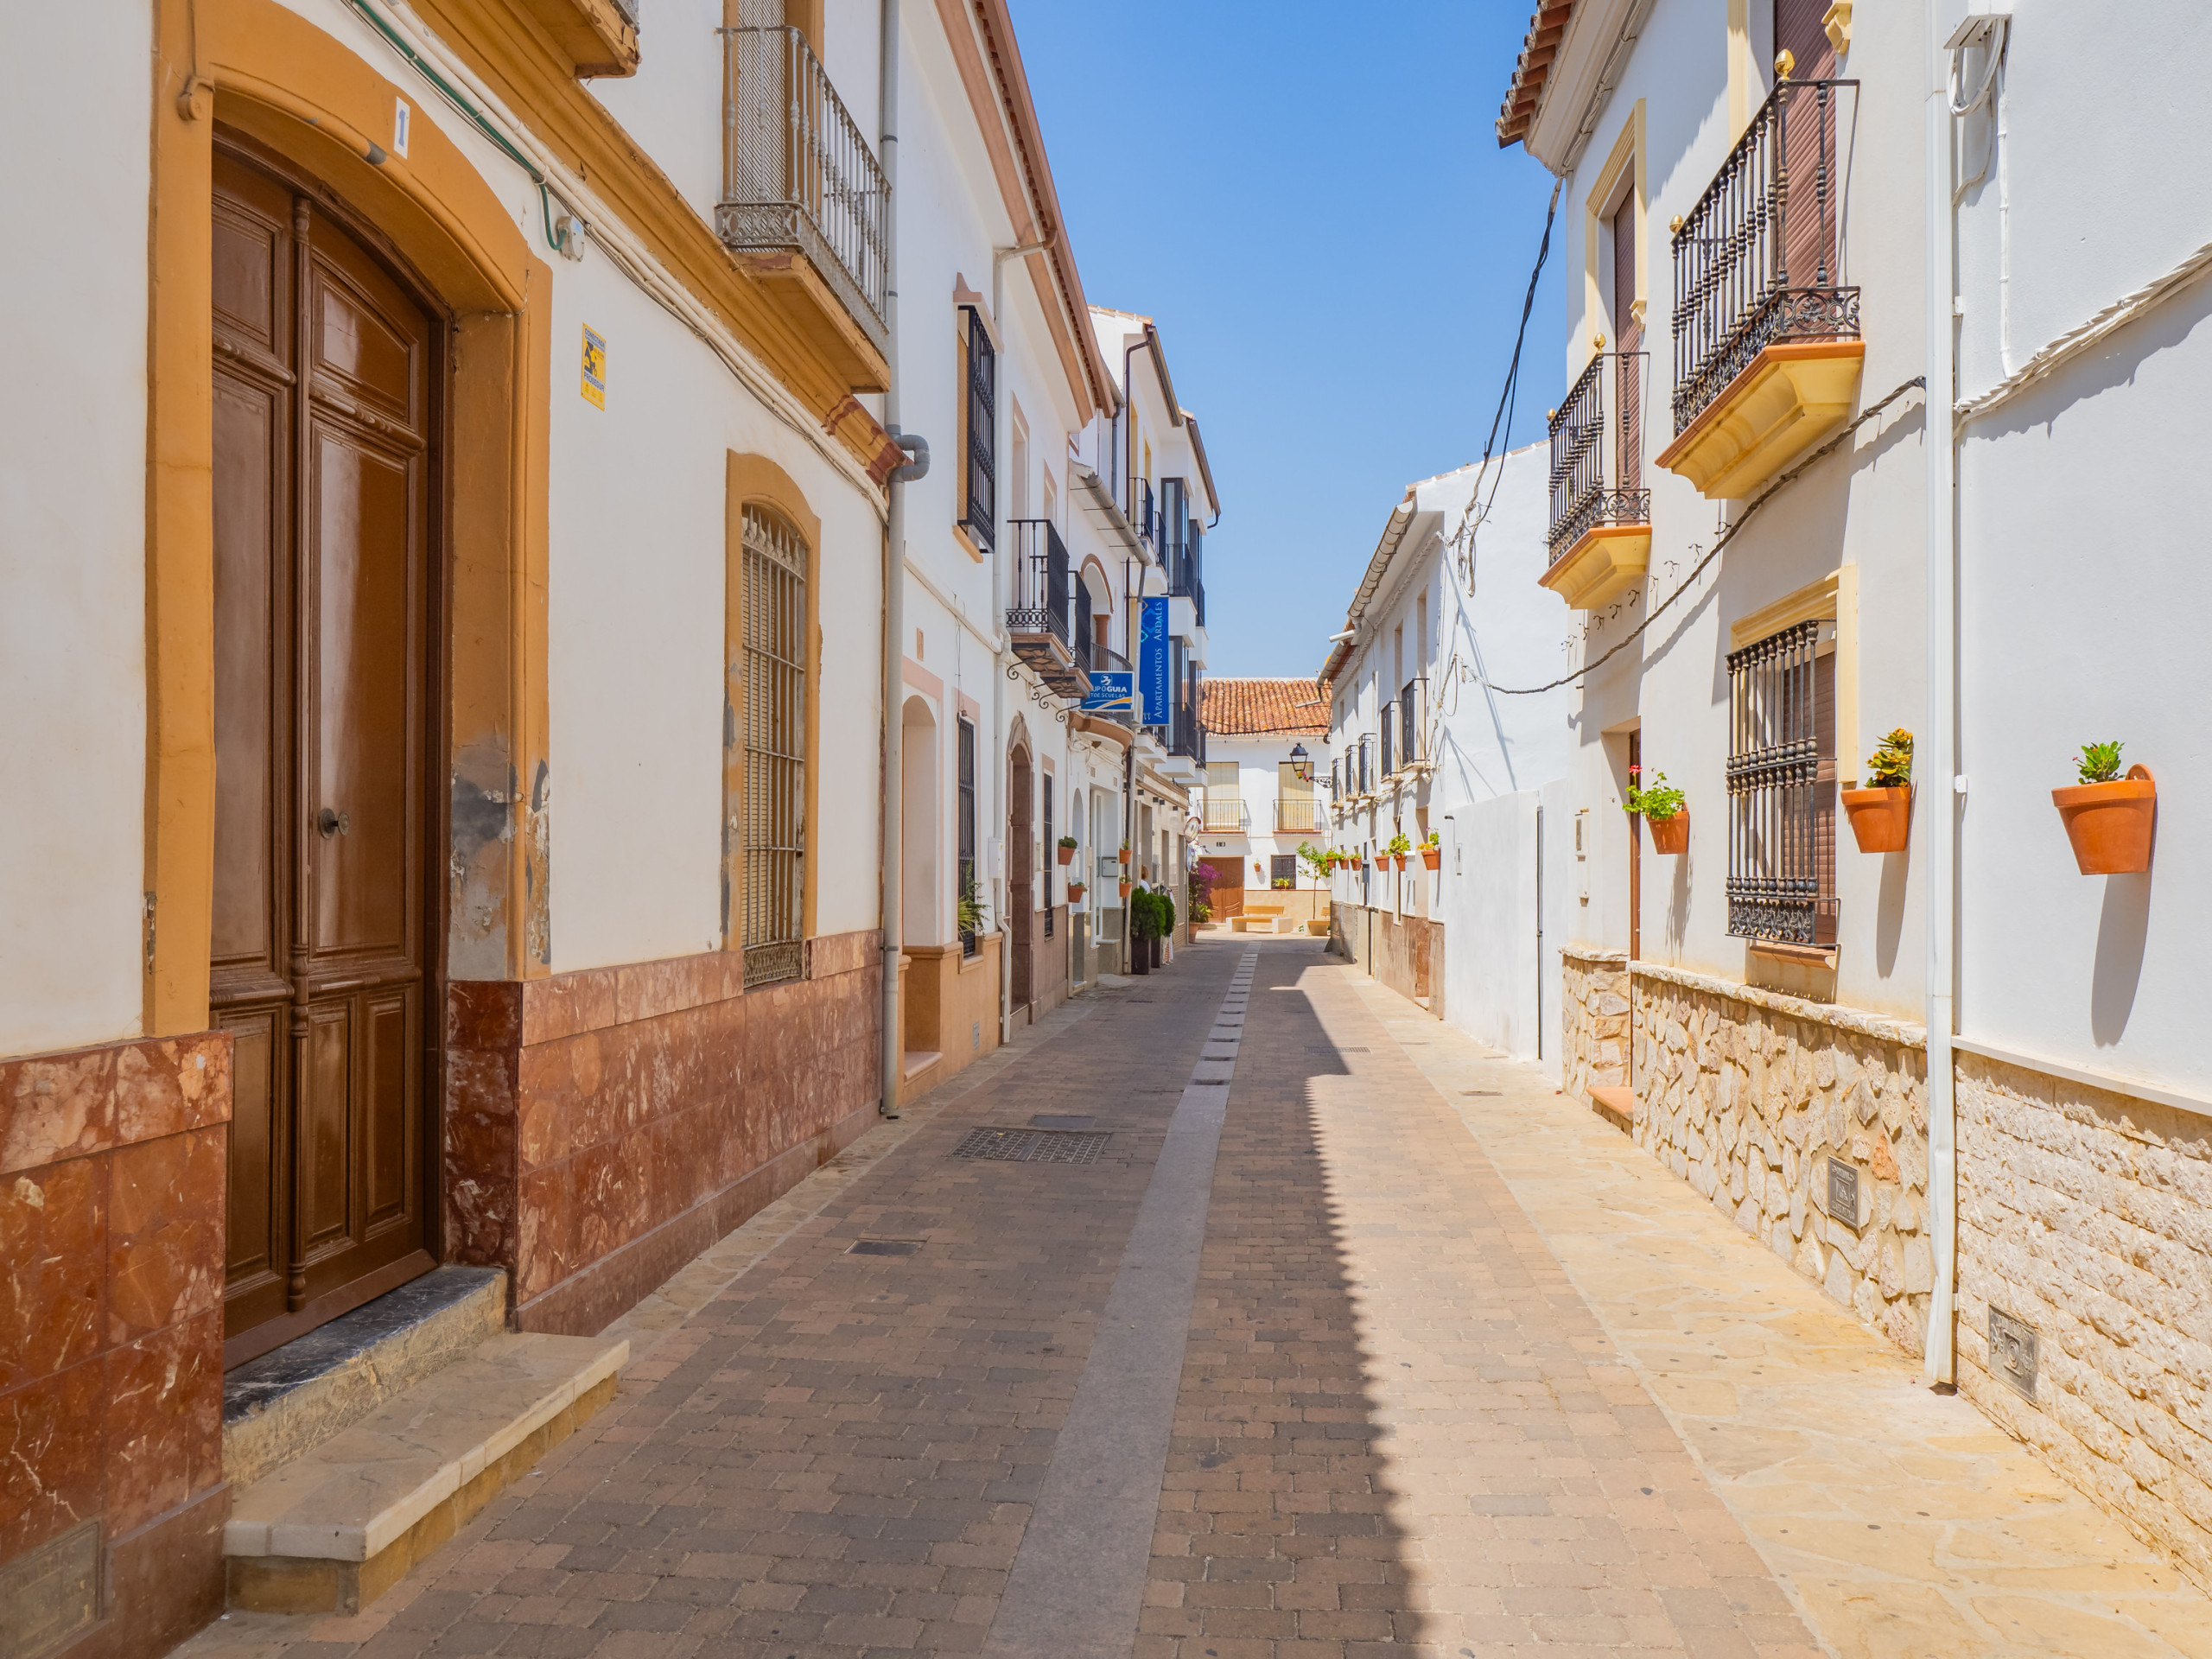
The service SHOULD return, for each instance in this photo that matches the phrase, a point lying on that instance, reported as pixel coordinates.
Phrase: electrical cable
(474, 117)
(1726, 535)
(1509, 394)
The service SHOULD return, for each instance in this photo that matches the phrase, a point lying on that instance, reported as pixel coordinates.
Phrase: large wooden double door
(325, 372)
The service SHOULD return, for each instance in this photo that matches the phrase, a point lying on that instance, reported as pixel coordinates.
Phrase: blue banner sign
(1112, 692)
(1152, 660)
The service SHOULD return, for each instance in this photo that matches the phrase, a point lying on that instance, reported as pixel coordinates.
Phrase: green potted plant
(1067, 849)
(2109, 819)
(1125, 853)
(1076, 890)
(1663, 808)
(971, 907)
(1431, 850)
(1398, 847)
(1140, 923)
(1881, 813)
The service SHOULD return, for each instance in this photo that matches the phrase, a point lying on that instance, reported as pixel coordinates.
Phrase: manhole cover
(884, 1247)
(1033, 1146)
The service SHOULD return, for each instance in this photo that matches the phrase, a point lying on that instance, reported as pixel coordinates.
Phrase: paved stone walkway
(1459, 1376)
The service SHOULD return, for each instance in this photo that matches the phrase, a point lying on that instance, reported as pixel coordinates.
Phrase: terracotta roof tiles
(1236, 708)
(1532, 69)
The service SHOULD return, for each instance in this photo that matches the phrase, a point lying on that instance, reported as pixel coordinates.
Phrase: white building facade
(1853, 376)
(1266, 796)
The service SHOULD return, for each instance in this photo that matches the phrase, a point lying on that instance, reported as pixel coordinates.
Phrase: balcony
(1389, 763)
(1297, 817)
(1144, 512)
(1186, 735)
(805, 205)
(1767, 350)
(1224, 814)
(1038, 610)
(1184, 556)
(1600, 511)
(597, 37)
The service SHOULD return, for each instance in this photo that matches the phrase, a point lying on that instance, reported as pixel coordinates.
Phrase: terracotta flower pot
(1075, 892)
(2110, 824)
(1125, 854)
(1881, 819)
(1124, 888)
(1067, 854)
(1433, 857)
(1671, 835)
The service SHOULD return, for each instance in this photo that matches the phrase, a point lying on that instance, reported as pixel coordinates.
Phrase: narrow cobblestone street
(1433, 1362)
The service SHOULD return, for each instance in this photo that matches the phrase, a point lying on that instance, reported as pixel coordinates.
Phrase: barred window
(1782, 787)
(774, 600)
(966, 827)
(1389, 739)
(1052, 854)
(978, 511)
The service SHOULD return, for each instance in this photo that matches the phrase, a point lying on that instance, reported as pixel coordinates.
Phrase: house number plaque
(2013, 1352)
(1843, 1192)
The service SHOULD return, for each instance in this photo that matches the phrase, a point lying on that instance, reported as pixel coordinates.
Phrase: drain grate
(1033, 1146)
(884, 1247)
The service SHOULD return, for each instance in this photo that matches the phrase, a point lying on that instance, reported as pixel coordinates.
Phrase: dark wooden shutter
(1628, 339)
(1799, 30)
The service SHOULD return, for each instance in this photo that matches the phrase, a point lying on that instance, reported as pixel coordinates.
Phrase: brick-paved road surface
(1397, 1423)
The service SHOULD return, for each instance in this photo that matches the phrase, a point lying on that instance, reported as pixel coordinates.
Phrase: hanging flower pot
(1432, 857)
(1671, 835)
(1075, 892)
(1125, 854)
(1067, 852)
(1124, 888)
(1881, 819)
(2110, 823)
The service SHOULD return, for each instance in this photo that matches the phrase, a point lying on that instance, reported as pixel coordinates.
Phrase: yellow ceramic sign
(595, 370)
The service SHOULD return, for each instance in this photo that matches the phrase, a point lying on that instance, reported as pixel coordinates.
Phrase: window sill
(1817, 955)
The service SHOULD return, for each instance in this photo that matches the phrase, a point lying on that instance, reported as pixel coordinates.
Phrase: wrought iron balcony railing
(798, 175)
(1144, 512)
(1597, 435)
(1042, 585)
(1298, 817)
(1184, 555)
(1224, 814)
(1187, 734)
(1759, 260)
(1388, 762)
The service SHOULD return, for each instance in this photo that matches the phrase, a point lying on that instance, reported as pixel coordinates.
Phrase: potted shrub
(1121, 887)
(1076, 891)
(1663, 808)
(1067, 849)
(1398, 848)
(1431, 850)
(1881, 813)
(971, 907)
(2109, 819)
(1125, 852)
(1140, 932)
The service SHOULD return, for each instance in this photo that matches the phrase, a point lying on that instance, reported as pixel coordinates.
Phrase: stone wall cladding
(1593, 1020)
(1746, 1095)
(2088, 1215)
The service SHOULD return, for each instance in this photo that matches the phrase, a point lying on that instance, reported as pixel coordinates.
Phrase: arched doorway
(1021, 879)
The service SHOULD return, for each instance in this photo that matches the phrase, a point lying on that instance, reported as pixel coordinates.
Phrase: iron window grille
(774, 623)
(978, 512)
(1412, 713)
(1597, 451)
(1042, 582)
(969, 942)
(798, 175)
(1052, 852)
(1782, 788)
(1143, 513)
(1759, 260)
(1366, 778)
(1389, 734)
(1086, 631)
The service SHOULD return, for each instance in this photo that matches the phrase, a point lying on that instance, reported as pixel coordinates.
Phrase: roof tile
(1235, 707)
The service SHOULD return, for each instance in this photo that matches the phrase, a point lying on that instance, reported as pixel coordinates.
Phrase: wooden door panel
(254, 1248)
(389, 1177)
(249, 424)
(360, 349)
(365, 669)
(327, 1124)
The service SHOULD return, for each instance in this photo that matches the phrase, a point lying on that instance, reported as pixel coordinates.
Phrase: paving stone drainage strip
(1033, 1146)
(1077, 1585)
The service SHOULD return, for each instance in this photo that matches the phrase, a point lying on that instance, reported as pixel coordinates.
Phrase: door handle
(333, 824)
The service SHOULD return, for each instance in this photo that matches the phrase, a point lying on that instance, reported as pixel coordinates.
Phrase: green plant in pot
(1663, 808)
(1431, 850)
(971, 907)
(1398, 847)
(1881, 813)
(1067, 849)
(2109, 818)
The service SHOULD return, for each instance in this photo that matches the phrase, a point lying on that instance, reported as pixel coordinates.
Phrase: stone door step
(288, 1402)
(332, 1530)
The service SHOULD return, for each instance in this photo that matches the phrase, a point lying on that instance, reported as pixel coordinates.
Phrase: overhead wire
(1781, 481)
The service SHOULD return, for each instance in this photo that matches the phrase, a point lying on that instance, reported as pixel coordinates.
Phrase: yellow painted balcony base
(1607, 562)
(1790, 397)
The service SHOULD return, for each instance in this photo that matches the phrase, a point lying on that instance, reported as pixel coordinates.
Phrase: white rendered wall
(1486, 894)
(72, 533)
(2083, 579)
(637, 571)
(672, 107)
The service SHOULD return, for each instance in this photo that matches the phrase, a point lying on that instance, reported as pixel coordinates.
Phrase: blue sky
(1312, 201)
